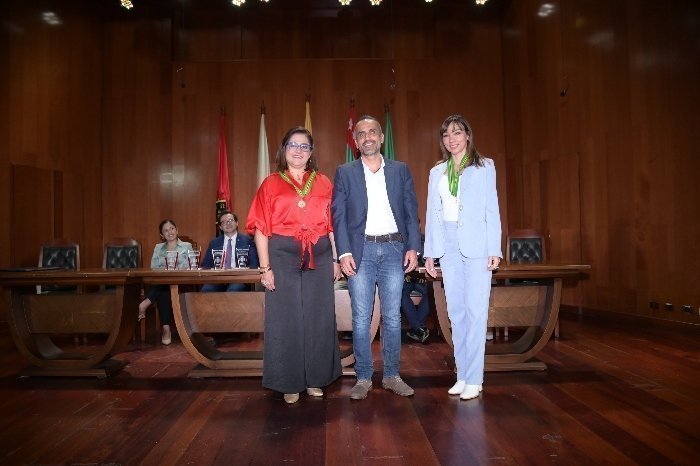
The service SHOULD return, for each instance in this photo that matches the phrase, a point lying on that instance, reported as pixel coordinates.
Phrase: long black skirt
(301, 338)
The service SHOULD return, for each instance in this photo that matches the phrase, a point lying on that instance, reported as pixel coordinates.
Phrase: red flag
(223, 191)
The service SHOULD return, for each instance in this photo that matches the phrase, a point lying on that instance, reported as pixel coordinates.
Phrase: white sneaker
(470, 391)
(457, 388)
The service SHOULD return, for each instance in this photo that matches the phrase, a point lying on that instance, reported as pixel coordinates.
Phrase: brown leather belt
(385, 238)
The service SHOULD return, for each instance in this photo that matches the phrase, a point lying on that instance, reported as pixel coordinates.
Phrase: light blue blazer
(159, 251)
(479, 220)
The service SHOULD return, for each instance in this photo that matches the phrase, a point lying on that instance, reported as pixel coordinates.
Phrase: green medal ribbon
(307, 186)
(452, 176)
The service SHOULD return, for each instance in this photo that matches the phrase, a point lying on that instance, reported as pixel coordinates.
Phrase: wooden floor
(614, 393)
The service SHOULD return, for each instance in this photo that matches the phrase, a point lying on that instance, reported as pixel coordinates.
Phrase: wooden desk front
(34, 318)
(198, 314)
(535, 307)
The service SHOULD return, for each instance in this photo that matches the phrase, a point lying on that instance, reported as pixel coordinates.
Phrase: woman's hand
(430, 267)
(267, 280)
(493, 262)
(337, 273)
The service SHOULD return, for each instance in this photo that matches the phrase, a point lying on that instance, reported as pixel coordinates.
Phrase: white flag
(263, 153)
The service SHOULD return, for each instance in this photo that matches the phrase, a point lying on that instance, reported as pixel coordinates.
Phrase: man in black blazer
(232, 242)
(377, 236)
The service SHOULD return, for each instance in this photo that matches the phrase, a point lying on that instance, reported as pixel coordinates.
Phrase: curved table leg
(34, 318)
(534, 307)
(202, 313)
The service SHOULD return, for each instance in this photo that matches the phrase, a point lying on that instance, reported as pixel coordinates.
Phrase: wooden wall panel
(52, 79)
(5, 167)
(588, 110)
(140, 172)
(611, 157)
(32, 224)
(206, 75)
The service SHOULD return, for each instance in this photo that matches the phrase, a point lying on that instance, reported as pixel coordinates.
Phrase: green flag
(351, 148)
(388, 137)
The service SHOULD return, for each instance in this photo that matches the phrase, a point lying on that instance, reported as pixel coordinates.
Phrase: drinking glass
(218, 256)
(193, 259)
(171, 260)
(242, 258)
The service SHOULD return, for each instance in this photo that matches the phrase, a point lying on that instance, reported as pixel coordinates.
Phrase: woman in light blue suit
(463, 230)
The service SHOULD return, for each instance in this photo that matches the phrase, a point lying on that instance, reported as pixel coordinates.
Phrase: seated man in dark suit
(416, 314)
(234, 244)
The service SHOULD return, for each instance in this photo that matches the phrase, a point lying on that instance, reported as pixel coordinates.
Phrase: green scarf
(452, 176)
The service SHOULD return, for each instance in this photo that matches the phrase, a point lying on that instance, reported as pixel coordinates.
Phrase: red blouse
(275, 210)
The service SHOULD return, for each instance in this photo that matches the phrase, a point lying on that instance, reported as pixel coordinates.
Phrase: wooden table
(535, 307)
(35, 318)
(200, 314)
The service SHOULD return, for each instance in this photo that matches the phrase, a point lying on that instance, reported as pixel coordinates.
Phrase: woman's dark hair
(282, 160)
(475, 158)
(162, 224)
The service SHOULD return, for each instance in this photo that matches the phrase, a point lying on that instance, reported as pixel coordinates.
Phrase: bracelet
(336, 260)
(264, 269)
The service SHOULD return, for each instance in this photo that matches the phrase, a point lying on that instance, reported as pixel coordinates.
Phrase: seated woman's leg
(165, 313)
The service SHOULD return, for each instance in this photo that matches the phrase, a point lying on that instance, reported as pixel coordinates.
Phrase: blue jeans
(382, 266)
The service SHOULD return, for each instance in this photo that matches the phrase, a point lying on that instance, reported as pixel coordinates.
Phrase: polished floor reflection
(614, 393)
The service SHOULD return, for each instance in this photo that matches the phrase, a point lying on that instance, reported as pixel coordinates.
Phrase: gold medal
(301, 192)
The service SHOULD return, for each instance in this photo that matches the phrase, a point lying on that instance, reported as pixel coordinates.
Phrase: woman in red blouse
(291, 221)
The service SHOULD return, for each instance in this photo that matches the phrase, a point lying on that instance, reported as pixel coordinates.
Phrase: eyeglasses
(291, 145)
(227, 222)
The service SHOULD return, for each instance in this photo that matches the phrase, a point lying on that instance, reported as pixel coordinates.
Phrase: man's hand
(347, 265)
(410, 262)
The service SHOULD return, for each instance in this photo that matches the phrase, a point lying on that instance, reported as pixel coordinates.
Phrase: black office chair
(525, 247)
(62, 254)
(121, 253)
